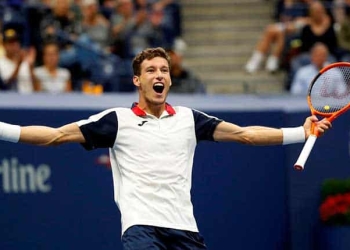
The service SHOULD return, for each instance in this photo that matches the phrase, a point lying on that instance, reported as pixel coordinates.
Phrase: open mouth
(158, 87)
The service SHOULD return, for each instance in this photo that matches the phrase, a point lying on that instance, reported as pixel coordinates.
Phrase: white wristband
(9, 132)
(293, 135)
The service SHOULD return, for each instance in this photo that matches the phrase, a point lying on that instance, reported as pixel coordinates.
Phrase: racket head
(328, 96)
(329, 91)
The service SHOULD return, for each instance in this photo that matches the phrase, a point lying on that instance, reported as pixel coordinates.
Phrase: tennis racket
(328, 97)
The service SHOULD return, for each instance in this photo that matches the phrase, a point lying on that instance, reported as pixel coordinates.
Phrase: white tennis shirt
(151, 161)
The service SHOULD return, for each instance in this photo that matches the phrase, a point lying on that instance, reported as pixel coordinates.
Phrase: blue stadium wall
(244, 197)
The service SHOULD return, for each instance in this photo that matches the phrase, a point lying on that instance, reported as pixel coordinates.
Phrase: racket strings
(330, 91)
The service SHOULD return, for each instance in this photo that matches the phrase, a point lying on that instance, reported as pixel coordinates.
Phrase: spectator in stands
(343, 31)
(52, 78)
(62, 25)
(107, 8)
(34, 12)
(172, 13)
(319, 29)
(93, 51)
(13, 17)
(17, 66)
(305, 74)
(183, 79)
(76, 10)
(125, 21)
(60, 22)
(161, 31)
(135, 30)
(291, 17)
(95, 25)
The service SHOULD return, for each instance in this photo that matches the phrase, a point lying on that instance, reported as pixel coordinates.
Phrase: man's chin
(158, 100)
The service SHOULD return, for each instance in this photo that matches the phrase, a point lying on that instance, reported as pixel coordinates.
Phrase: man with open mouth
(151, 147)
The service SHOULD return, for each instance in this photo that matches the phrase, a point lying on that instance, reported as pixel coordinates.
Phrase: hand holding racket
(328, 97)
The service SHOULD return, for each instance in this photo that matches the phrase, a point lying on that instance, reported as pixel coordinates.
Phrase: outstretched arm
(259, 135)
(41, 135)
(252, 135)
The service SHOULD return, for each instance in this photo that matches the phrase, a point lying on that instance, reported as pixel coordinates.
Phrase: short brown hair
(148, 54)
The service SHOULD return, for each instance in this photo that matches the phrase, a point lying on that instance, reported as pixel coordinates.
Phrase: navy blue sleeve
(100, 131)
(204, 125)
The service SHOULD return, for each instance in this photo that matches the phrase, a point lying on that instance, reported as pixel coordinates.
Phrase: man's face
(319, 56)
(51, 56)
(154, 81)
(12, 48)
(317, 12)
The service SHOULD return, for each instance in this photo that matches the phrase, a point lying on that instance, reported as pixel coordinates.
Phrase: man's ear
(136, 81)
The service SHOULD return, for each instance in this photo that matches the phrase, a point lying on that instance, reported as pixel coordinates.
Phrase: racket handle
(299, 165)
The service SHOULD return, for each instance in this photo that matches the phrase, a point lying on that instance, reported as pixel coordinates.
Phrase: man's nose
(159, 74)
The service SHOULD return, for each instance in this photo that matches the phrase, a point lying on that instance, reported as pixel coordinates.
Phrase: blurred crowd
(87, 45)
(305, 36)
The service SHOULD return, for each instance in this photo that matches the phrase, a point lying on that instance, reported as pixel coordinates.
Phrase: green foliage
(335, 186)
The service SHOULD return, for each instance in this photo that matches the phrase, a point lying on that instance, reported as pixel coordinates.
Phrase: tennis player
(151, 147)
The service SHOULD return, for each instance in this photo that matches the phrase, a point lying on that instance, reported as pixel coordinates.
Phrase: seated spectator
(291, 17)
(305, 74)
(13, 17)
(107, 8)
(63, 26)
(95, 25)
(124, 22)
(60, 20)
(16, 67)
(52, 78)
(135, 30)
(34, 12)
(343, 31)
(183, 80)
(172, 13)
(75, 10)
(161, 32)
(60, 25)
(319, 29)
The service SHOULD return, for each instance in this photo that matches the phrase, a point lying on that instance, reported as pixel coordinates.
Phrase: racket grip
(304, 155)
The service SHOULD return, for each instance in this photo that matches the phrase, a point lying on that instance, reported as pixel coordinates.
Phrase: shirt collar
(139, 112)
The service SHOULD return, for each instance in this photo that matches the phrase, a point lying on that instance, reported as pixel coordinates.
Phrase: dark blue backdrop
(244, 197)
